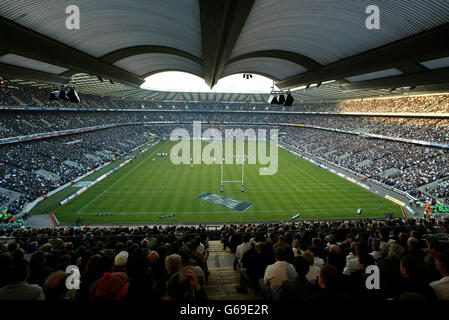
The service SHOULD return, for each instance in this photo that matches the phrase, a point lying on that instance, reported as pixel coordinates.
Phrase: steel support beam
(431, 77)
(15, 72)
(427, 45)
(25, 42)
(221, 24)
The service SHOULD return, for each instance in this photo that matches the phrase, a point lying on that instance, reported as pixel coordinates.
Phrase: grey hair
(396, 251)
(173, 263)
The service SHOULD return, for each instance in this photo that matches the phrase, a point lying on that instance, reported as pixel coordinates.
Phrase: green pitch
(148, 189)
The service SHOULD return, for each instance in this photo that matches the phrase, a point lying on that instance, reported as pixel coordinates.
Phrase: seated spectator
(300, 287)
(19, 288)
(389, 267)
(441, 287)
(55, 287)
(184, 252)
(330, 289)
(412, 271)
(120, 261)
(241, 249)
(376, 253)
(184, 287)
(173, 263)
(247, 266)
(112, 286)
(352, 262)
(296, 247)
(278, 272)
(314, 272)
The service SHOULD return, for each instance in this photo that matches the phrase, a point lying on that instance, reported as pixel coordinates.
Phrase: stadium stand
(411, 252)
(416, 165)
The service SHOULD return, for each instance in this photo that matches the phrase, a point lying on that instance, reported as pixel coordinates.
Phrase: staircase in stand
(223, 278)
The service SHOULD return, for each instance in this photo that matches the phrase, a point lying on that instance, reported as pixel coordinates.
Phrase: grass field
(148, 189)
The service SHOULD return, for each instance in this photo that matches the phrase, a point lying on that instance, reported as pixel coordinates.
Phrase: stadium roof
(295, 42)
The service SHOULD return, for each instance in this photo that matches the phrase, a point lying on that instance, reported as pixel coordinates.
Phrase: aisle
(222, 278)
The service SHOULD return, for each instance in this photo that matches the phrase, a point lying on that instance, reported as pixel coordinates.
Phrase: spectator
(441, 287)
(330, 290)
(278, 272)
(112, 286)
(19, 289)
(300, 287)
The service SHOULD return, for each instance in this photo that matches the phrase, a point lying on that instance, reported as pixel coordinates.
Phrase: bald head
(153, 257)
(334, 248)
(54, 286)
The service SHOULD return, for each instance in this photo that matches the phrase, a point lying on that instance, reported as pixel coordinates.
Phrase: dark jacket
(297, 289)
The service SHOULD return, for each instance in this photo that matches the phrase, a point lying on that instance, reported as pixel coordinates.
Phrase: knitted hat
(110, 286)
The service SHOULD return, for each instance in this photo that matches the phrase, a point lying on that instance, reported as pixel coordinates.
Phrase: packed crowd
(18, 123)
(3, 199)
(415, 165)
(62, 158)
(328, 260)
(317, 260)
(14, 95)
(145, 264)
(425, 104)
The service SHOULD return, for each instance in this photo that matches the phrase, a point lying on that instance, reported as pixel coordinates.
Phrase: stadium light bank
(212, 153)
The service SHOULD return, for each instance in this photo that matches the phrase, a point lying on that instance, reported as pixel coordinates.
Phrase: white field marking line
(160, 190)
(231, 191)
(105, 190)
(255, 211)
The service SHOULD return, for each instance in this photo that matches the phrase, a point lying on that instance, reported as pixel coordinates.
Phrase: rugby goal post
(242, 181)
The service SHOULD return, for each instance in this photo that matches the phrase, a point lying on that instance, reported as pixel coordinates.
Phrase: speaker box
(272, 99)
(281, 99)
(54, 95)
(289, 100)
(63, 95)
(72, 95)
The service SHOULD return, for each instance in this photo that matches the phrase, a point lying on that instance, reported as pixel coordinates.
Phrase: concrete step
(223, 278)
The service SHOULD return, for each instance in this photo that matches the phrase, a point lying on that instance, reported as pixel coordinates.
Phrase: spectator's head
(334, 248)
(173, 263)
(20, 271)
(308, 255)
(92, 263)
(361, 248)
(365, 260)
(413, 243)
(375, 245)
(106, 263)
(245, 238)
(112, 286)
(55, 286)
(353, 246)
(121, 259)
(411, 267)
(296, 244)
(442, 263)
(395, 251)
(328, 278)
(154, 258)
(145, 243)
(179, 287)
(280, 254)
(301, 266)
(281, 238)
(38, 258)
